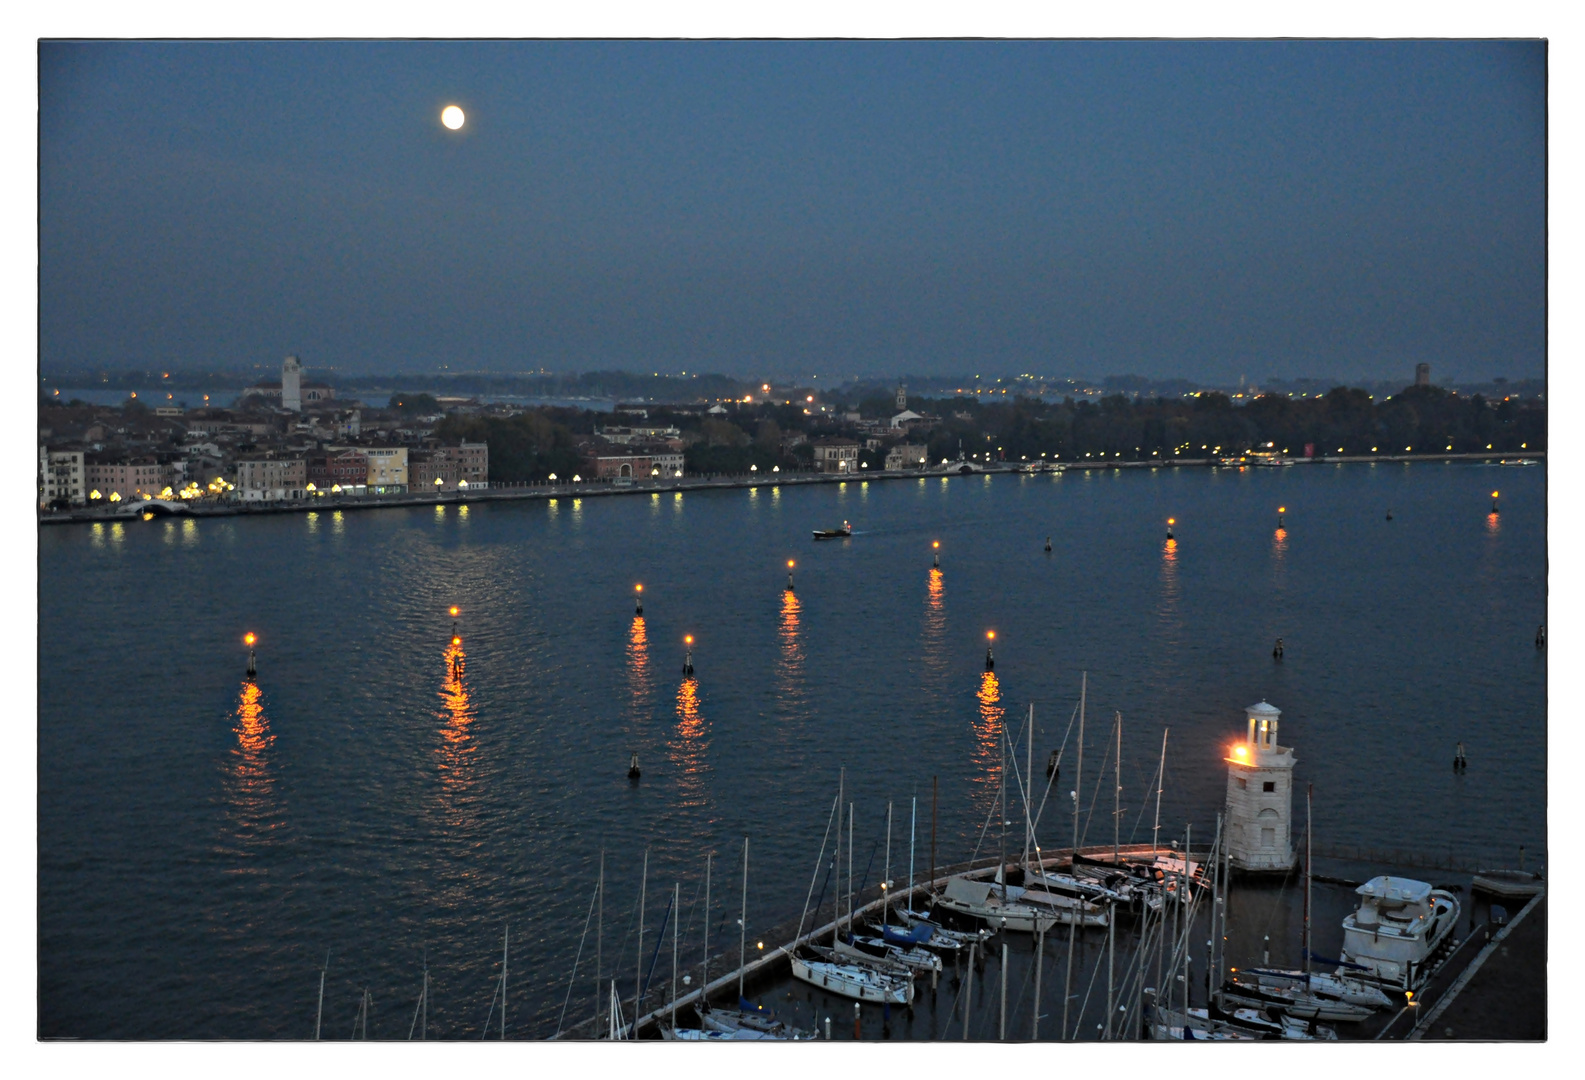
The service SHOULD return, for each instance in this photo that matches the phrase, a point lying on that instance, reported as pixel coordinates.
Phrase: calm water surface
(387, 796)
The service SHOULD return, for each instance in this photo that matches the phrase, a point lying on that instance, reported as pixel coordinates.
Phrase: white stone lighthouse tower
(1260, 796)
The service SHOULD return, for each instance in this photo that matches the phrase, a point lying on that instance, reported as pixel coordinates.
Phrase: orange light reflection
(250, 785)
(689, 745)
(456, 751)
(987, 741)
(1493, 523)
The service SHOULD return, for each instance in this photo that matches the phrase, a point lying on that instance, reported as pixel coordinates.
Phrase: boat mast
(506, 937)
(1029, 787)
(913, 816)
(676, 896)
(1308, 828)
(1117, 794)
(742, 925)
(704, 968)
(850, 869)
(1183, 902)
(1161, 781)
(886, 881)
(836, 867)
(1074, 914)
(935, 791)
(320, 1014)
(1001, 855)
(638, 967)
(599, 942)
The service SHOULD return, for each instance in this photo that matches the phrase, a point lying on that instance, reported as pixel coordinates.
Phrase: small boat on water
(940, 938)
(1292, 998)
(711, 1035)
(750, 1017)
(1508, 884)
(1400, 932)
(861, 982)
(1339, 987)
(882, 949)
(1274, 1025)
(834, 534)
(999, 906)
(1174, 1025)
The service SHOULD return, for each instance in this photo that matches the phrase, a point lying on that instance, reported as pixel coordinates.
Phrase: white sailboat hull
(851, 981)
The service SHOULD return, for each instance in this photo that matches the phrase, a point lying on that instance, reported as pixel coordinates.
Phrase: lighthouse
(1260, 796)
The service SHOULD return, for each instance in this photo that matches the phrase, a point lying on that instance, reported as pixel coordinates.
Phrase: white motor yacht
(1398, 932)
(997, 905)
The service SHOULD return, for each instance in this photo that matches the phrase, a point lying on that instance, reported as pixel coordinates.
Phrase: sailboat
(880, 982)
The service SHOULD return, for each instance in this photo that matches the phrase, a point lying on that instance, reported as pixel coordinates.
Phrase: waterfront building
(339, 468)
(1260, 796)
(620, 462)
(836, 455)
(61, 476)
(907, 456)
(111, 474)
(271, 478)
(387, 469)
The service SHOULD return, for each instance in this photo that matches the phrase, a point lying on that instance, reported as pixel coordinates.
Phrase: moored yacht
(1398, 933)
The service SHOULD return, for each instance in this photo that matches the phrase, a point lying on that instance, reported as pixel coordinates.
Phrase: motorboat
(1398, 935)
(1000, 906)
(832, 972)
(834, 534)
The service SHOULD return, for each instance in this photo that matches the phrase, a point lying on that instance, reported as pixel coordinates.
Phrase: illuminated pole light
(1280, 511)
(936, 558)
(789, 575)
(1170, 523)
(248, 639)
(1494, 502)
(990, 661)
(687, 662)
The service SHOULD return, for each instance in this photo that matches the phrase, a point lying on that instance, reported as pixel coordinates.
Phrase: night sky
(1205, 210)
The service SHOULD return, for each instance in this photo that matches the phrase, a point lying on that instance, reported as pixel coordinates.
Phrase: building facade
(61, 477)
(907, 456)
(271, 479)
(338, 469)
(836, 455)
(124, 478)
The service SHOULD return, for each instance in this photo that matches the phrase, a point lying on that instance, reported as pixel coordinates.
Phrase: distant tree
(414, 404)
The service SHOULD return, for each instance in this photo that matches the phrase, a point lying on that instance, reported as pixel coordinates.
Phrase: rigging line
(593, 896)
(1062, 750)
(1098, 774)
(986, 827)
(1078, 1021)
(660, 939)
(818, 860)
(1144, 802)
(952, 1012)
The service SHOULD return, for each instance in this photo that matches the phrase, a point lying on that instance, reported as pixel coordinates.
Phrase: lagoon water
(387, 797)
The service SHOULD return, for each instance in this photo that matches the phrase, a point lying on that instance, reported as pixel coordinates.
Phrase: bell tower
(1260, 796)
(902, 397)
(292, 384)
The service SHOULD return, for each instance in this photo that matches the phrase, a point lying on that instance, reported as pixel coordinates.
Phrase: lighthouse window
(1242, 783)
(1269, 785)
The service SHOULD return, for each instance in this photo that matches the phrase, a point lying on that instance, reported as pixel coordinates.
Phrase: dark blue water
(203, 845)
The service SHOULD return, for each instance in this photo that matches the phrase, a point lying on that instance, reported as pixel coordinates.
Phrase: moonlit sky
(1191, 209)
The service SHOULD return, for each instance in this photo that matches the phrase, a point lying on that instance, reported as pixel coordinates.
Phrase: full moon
(452, 117)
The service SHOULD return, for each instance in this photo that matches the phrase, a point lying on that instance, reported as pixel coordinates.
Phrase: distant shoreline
(750, 480)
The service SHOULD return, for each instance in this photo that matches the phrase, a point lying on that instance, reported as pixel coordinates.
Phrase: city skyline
(1204, 210)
